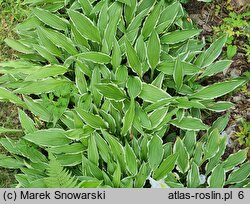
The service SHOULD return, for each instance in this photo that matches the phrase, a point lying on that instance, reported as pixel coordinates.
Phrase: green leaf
(178, 74)
(47, 71)
(93, 154)
(155, 152)
(154, 50)
(10, 162)
(189, 123)
(133, 58)
(212, 145)
(128, 118)
(48, 138)
(216, 159)
(18, 46)
(183, 156)
(221, 122)
(116, 148)
(74, 148)
(131, 160)
(38, 110)
(96, 57)
(50, 19)
(116, 55)
(198, 152)
(45, 54)
(151, 20)
(134, 86)
(7, 130)
(43, 86)
(141, 48)
(127, 2)
(5, 94)
(157, 116)
(92, 120)
(218, 89)
(179, 36)
(111, 91)
(193, 177)
(85, 26)
(207, 57)
(165, 167)
(168, 16)
(103, 148)
(26, 122)
(240, 174)
(219, 106)
(151, 93)
(216, 68)
(189, 141)
(69, 159)
(60, 40)
(142, 176)
(217, 178)
(235, 159)
(117, 176)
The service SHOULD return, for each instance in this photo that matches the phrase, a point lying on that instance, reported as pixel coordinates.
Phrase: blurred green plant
(243, 135)
(236, 26)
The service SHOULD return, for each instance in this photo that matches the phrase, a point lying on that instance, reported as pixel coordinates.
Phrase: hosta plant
(109, 85)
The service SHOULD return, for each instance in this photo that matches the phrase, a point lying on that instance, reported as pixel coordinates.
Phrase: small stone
(235, 73)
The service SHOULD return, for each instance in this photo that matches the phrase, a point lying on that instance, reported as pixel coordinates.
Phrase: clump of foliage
(243, 135)
(113, 81)
(236, 26)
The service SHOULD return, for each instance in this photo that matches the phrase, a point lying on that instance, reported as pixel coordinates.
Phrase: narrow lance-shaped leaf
(93, 154)
(128, 118)
(216, 67)
(154, 49)
(96, 57)
(193, 177)
(183, 156)
(151, 20)
(16, 45)
(26, 122)
(155, 152)
(207, 57)
(111, 91)
(165, 167)
(94, 121)
(178, 74)
(218, 89)
(60, 40)
(217, 178)
(235, 159)
(212, 145)
(50, 19)
(151, 93)
(179, 36)
(131, 160)
(47, 71)
(189, 123)
(240, 174)
(134, 86)
(85, 26)
(116, 55)
(48, 138)
(5, 94)
(37, 109)
(133, 58)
